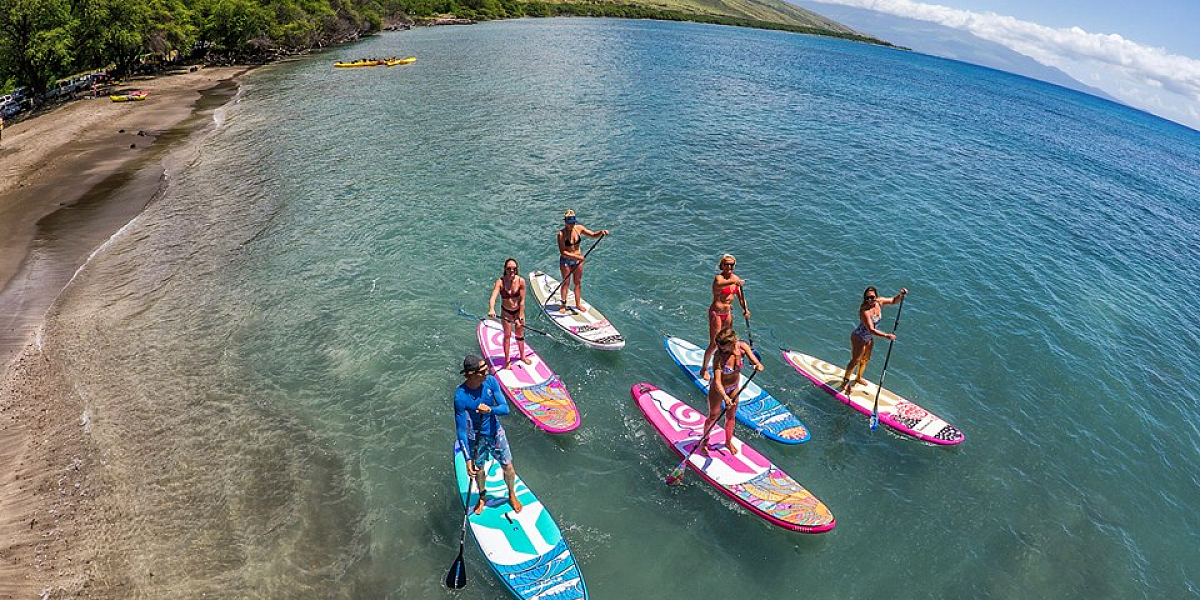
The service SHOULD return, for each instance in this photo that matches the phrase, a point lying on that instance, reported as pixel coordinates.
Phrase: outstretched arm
(894, 299)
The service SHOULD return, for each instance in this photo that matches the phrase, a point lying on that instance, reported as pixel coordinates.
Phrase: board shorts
(569, 263)
(493, 446)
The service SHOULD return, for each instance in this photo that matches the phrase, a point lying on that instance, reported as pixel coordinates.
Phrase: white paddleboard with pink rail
(746, 477)
(533, 388)
(895, 412)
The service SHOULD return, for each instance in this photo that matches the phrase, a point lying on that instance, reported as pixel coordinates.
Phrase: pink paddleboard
(533, 388)
(747, 477)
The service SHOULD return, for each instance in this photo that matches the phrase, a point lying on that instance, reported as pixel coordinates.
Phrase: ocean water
(268, 353)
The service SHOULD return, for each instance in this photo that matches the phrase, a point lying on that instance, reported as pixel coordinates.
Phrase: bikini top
(729, 290)
(738, 364)
(509, 295)
(570, 243)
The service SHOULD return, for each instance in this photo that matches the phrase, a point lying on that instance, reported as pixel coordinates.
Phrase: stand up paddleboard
(533, 387)
(894, 411)
(747, 477)
(589, 328)
(756, 409)
(525, 549)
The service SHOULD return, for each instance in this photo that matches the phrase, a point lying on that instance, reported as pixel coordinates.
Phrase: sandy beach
(69, 180)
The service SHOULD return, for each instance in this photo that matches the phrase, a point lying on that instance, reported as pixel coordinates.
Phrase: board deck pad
(526, 550)
(747, 477)
(590, 328)
(895, 412)
(756, 409)
(535, 389)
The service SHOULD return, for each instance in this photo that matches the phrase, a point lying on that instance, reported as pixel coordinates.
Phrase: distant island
(45, 46)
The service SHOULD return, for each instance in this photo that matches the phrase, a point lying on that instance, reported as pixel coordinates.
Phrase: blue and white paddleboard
(757, 409)
(525, 549)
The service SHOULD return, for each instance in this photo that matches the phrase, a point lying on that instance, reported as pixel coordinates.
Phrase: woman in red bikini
(725, 286)
(510, 287)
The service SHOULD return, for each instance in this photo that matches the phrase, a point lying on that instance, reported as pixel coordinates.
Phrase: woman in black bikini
(570, 259)
(862, 339)
(510, 287)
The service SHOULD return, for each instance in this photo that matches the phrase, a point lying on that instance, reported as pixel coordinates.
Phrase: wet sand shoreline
(69, 180)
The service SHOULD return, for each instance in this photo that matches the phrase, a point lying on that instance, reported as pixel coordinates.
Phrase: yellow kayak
(134, 97)
(400, 61)
(359, 63)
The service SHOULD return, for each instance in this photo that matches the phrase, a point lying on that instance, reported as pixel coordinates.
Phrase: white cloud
(1142, 76)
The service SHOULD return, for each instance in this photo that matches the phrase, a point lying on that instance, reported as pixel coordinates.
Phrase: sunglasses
(510, 269)
(730, 265)
(871, 298)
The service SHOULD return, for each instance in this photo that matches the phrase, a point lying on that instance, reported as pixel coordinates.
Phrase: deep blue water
(293, 301)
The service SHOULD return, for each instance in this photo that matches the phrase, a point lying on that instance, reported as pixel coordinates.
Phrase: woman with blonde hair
(725, 286)
(728, 361)
(570, 258)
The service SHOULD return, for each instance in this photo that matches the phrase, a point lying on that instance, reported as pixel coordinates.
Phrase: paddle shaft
(479, 318)
(746, 309)
(708, 430)
(550, 296)
(456, 577)
(886, 359)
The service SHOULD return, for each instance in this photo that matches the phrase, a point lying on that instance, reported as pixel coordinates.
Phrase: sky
(1145, 53)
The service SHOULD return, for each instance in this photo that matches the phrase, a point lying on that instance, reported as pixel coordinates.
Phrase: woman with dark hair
(510, 287)
(862, 339)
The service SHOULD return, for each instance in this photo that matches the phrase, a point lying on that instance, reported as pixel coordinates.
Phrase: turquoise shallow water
(269, 352)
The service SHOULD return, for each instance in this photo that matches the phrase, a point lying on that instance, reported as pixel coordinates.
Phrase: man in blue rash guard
(477, 403)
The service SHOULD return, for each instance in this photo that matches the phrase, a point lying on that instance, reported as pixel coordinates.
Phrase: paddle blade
(676, 476)
(456, 577)
(874, 422)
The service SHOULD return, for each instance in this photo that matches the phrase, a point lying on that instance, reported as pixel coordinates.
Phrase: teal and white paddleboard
(526, 549)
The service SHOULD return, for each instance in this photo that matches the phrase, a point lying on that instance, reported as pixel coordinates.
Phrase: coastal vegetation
(44, 41)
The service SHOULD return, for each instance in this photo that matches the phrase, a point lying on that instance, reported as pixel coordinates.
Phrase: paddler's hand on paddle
(472, 470)
(492, 313)
(484, 408)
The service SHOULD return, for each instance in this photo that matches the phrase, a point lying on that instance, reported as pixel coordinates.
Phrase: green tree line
(44, 40)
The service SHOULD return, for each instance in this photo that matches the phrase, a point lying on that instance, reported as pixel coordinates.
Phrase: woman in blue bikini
(728, 361)
(570, 259)
(862, 339)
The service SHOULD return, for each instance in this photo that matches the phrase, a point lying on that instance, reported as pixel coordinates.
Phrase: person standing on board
(478, 402)
(862, 339)
(570, 257)
(510, 287)
(728, 361)
(725, 287)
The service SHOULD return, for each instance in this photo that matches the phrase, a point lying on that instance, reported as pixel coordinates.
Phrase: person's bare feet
(482, 504)
(516, 504)
(525, 359)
